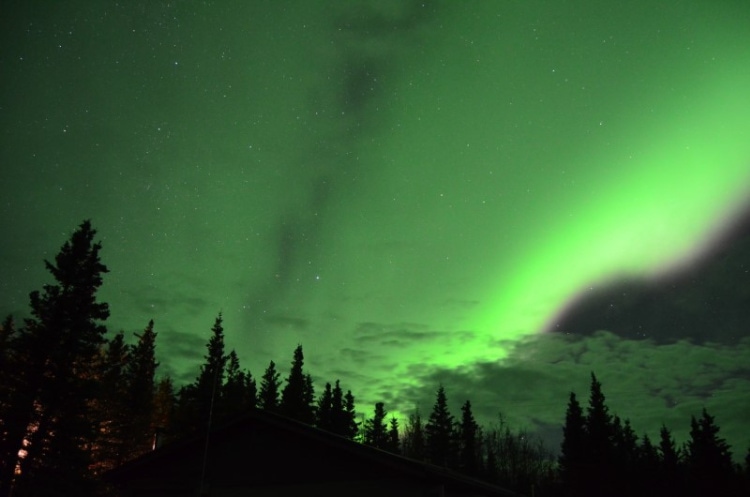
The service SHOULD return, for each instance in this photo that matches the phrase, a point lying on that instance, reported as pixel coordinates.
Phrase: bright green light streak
(655, 213)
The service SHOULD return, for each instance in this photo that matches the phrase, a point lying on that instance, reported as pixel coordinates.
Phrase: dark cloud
(347, 379)
(157, 305)
(706, 302)
(180, 348)
(358, 355)
(650, 384)
(398, 335)
(361, 83)
(374, 36)
(384, 18)
(279, 321)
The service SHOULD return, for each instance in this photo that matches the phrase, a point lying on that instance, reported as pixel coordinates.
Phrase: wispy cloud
(650, 384)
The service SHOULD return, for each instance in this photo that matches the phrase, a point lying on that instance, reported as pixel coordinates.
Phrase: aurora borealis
(414, 191)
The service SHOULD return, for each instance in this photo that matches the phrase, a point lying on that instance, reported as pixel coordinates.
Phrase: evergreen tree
(11, 381)
(647, 469)
(251, 391)
(308, 400)
(708, 457)
(268, 398)
(413, 440)
(339, 422)
(112, 409)
(670, 455)
(238, 394)
(599, 424)
(624, 457)
(393, 437)
(439, 436)
(469, 457)
(208, 384)
(194, 411)
(15, 399)
(625, 442)
(296, 398)
(668, 478)
(350, 426)
(705, 449)
(60, 344)
(233, 390)
(164, 411)
(375, 429)
(573, 460)
(600, 444)
(648, 454)
(141, 373)
(7, 329)
(324, 413)
(7, 363)
(184, 420)
(343, 415)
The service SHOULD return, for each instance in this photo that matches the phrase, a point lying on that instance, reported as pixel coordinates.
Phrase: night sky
(501, 196)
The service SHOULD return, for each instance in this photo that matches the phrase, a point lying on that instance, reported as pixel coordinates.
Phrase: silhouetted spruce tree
(196, 402)
(209, 382)
(647, 469)
(184, 418)
(268, 397)
(670, 454)
(375, 429)
(669, 477)
(343, 419)
(111, 409)
(251, 391)
(339, 420)
(308, 399)
(600, 445)
(11, 380)
(239, 391)
(413, 440)
(350, 426)
(323, 415)
(625, 442)
(297, 395)
(141, 374)
(61, 342)
(708, 458)
(624, 457)
(394, 443)
(469, 455)
(17, 398)
(573, 460)
(439, 435)
(164, 411)
(7, 364)
(7, 329)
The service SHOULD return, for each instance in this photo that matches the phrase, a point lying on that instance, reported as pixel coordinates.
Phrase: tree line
(75, 402)
(602, 455)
